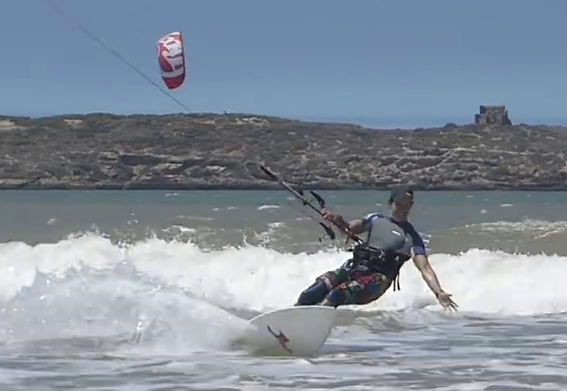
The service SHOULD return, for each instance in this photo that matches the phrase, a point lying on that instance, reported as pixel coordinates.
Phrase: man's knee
(370, 294)
(314, 294)
(317, 291)
(336, 297)
(368, 289)
(357, 292)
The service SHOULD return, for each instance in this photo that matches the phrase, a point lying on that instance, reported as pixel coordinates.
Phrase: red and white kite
(171, 59)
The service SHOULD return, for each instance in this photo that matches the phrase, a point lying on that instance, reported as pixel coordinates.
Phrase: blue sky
(382, 63)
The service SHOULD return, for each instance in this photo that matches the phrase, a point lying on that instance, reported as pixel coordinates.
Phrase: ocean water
(150, 290)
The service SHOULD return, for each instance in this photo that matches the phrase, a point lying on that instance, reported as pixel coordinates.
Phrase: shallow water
(83, 273)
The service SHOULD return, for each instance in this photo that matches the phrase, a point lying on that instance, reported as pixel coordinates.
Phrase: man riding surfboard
(375, 264)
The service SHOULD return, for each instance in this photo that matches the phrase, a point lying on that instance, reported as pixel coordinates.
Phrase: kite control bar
(298, 193)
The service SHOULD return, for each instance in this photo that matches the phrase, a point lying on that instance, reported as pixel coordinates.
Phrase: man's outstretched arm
(427, 273)
(430, 278)
(421, 261)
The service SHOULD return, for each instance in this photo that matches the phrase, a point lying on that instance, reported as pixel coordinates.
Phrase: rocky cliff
(208, 151)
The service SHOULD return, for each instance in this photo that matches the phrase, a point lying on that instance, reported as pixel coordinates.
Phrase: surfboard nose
(296, 331)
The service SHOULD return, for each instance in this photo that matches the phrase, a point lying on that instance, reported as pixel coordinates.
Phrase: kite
(171, 59)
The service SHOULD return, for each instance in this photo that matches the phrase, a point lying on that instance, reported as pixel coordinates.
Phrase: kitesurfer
(375, 264)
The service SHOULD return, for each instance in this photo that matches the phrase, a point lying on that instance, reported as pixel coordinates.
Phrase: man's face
(403, 205)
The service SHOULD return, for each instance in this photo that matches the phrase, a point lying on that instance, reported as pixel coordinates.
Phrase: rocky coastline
(215, 151)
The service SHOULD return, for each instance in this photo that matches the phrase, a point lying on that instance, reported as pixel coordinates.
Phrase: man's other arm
(421, 261)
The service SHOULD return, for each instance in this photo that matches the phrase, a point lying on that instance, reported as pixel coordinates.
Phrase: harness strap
(374, 255)
(396, 283)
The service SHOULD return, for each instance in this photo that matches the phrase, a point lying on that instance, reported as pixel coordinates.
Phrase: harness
(377, 260)
(387, 262)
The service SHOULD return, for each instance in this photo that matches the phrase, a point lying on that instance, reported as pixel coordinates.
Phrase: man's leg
(362, 289)
(317, 291)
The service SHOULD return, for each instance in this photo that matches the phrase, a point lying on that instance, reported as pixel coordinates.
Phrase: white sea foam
(258, 279)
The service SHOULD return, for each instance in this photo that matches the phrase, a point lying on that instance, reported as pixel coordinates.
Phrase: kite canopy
(171, 59)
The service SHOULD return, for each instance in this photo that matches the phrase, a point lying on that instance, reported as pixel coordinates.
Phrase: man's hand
(337, 219)
(445, 300)
(428, 274)
(349, 228)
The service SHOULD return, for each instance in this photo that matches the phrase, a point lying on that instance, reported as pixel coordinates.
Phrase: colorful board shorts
(357, 286)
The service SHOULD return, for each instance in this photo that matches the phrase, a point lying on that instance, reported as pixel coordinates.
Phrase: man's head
(401, 200)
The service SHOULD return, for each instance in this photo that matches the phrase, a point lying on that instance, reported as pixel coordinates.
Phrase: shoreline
(210, 188)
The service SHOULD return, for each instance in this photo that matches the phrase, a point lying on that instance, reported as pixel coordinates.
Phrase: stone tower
(492, 115)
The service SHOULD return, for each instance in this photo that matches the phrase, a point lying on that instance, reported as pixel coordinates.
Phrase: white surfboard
(296, 331)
